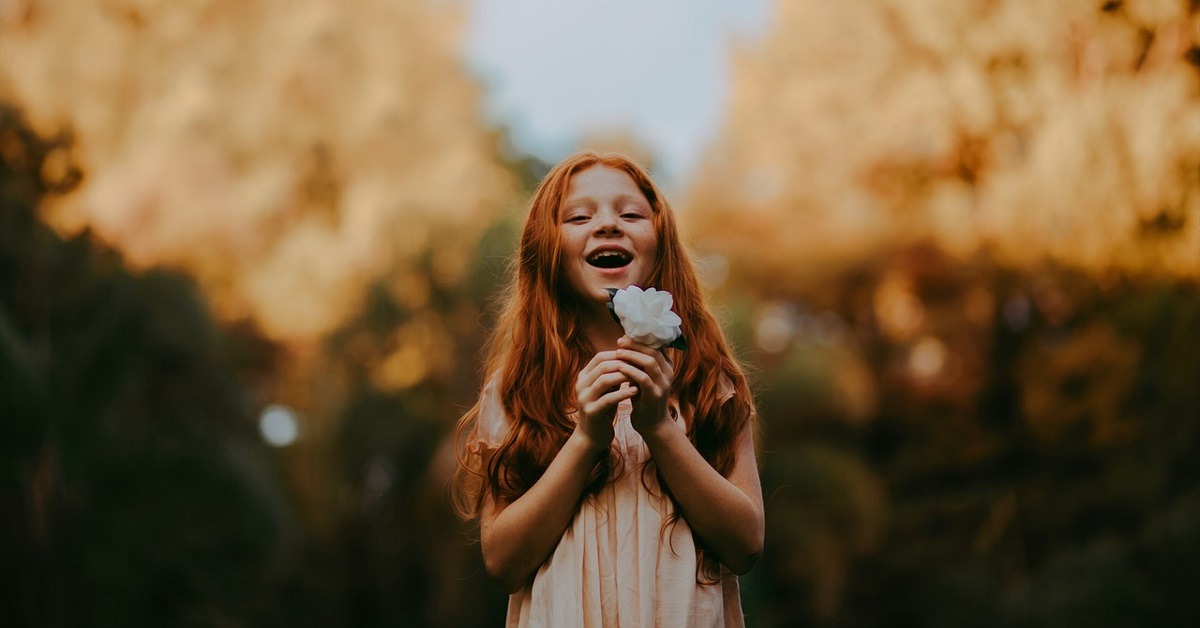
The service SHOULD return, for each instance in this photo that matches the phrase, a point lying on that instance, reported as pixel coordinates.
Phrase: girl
(615, 484)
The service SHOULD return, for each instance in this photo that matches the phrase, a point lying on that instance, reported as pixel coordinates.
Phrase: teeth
(609, 259)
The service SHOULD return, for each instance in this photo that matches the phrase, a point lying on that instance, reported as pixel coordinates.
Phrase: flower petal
(646, 315)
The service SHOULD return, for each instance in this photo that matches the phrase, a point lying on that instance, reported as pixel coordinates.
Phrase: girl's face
(608, 237)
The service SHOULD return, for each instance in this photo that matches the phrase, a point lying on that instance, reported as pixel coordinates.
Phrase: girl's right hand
(598, 390)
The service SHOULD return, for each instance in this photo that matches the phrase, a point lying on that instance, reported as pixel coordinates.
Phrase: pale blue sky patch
(557, 69)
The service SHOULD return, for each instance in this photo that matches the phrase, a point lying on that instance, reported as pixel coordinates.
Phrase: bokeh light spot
(279, 425)
(927, 358)
(775, 328)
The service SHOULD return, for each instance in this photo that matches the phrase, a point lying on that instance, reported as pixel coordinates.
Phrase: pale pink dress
(615, 565)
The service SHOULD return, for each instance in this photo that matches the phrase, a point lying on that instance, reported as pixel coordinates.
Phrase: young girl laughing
(612, 472)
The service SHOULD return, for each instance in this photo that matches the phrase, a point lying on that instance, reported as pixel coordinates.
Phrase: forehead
(600, 182)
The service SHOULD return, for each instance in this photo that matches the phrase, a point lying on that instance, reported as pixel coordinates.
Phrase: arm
(518, 537)
(727, 513)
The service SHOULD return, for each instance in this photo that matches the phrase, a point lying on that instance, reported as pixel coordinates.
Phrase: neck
(601, 328)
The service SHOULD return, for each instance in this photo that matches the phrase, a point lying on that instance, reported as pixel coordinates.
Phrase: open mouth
(609, 258)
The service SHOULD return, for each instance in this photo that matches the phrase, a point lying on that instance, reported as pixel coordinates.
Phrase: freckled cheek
(571, 247)
(650, 252)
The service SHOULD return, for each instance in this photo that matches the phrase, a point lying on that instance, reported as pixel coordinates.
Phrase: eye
(578, 218)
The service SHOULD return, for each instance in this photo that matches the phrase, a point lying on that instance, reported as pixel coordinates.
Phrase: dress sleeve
(492, 425)
(725, 389)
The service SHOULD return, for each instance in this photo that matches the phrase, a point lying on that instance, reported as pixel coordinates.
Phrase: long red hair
(539, 346)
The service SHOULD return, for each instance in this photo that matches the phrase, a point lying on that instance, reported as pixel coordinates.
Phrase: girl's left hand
(652, 373)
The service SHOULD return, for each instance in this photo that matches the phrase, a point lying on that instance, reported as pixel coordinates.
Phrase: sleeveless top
(617, 563)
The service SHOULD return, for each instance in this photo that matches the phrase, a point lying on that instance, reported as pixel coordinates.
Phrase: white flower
(646, 315)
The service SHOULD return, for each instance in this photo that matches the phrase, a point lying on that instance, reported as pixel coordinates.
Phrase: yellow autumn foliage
(285, 152)
(1034, 130)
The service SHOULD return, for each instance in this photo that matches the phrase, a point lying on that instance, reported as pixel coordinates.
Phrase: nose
(607, 222)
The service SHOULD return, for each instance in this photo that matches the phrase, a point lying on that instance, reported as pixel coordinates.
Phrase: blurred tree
(286, 153)
(324, 173)
(1066, 130)
(135, 489)
(957, 229)
(409, 370)
(1030, 442)
(618, 139)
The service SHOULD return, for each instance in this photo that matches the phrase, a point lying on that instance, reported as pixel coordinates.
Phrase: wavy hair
(538, 346)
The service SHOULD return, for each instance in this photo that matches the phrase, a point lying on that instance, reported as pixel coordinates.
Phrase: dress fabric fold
(619, 562)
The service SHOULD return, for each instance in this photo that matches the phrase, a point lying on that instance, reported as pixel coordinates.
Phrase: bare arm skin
(518, 537)
(726, 513)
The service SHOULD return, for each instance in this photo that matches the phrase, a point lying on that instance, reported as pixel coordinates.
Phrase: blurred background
(249, 252)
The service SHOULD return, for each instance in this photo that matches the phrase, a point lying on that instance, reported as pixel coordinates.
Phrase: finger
(604, 368)
(637, 376)
(637, 352)
(610, 400)
(658, 355)
(605, 383)
(645, 362)
(600, 356)
(625, 342)
(595, 367)
(620, 394)
(665, 363)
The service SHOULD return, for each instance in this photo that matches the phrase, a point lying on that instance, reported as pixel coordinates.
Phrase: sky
(555, 70)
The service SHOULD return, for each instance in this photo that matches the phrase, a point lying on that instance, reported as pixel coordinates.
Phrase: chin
(597, 285)
(602, 293)
(611, 285)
